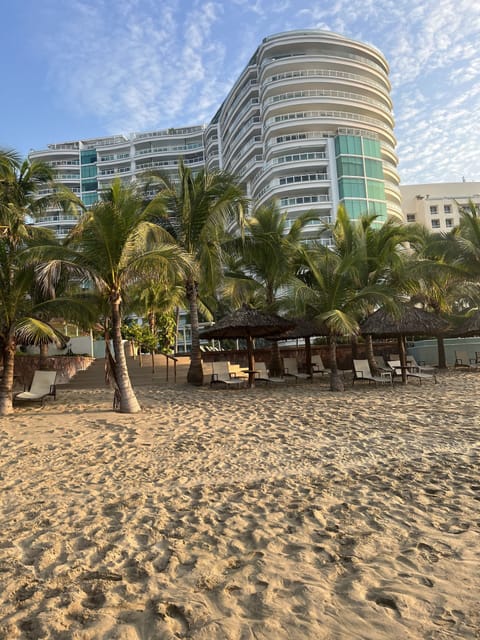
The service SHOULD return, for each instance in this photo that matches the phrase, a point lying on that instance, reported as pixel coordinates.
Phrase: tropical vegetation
(152, 248)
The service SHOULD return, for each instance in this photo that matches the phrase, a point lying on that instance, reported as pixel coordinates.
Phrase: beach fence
(427, 351)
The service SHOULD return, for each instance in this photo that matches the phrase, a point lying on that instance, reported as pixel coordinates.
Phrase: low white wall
(426, 350)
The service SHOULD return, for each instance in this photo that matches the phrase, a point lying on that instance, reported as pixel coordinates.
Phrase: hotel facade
(437, 206)
(307, 124)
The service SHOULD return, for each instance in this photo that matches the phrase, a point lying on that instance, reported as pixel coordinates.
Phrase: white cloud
(144, 64)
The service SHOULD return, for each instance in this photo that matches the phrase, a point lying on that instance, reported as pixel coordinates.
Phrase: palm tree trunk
(369, 352)
(195, 371)
(354, 346)
(442, 356)
(336, 382)
(42, 364)
(6, 382)
(275, 365)
(403, 358)
(177, 320)
(128, 400)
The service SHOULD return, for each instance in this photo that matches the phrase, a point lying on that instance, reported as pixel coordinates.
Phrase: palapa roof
(247, 321)
(303, 328)
(409, 321)
(469, 327)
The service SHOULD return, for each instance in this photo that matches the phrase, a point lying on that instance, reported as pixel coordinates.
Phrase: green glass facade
(88, 174)
(360, 176)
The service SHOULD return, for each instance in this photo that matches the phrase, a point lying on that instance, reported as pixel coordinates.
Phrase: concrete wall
(426, 350)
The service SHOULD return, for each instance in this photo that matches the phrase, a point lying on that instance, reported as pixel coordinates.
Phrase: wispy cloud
(142, 64)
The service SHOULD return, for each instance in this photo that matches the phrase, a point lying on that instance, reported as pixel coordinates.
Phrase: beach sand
(267, 513)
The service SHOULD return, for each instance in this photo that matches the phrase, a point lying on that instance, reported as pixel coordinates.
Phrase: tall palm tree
(339, 284)
(198, 209)
(22, 312)
(116, 244)
(442, 283)
(261, 265)
(379, 254)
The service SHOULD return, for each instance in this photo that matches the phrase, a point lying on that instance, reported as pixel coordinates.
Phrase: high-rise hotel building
(308, 123)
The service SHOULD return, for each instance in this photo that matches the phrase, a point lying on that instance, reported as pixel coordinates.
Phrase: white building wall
(437, 205)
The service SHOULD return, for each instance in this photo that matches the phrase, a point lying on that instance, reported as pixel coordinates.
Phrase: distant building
(308, 123)
(437, 206)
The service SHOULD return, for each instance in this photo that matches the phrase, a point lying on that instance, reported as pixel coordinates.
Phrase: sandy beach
(267, 513)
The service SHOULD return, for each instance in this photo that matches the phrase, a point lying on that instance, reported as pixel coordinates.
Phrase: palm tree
(261, 265)
(338, 285)
(21, 308)
(116, 245)
(379, 257)
(441, 281)
(197, 211)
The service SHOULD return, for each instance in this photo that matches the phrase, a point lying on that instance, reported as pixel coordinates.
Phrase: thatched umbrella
(469, 327)
(305, 329)
(409, 321)
(248, 323)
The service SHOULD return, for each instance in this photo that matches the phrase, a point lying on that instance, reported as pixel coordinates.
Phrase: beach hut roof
(409, 321)
(303, 328)
(247, 322)
(469, 327)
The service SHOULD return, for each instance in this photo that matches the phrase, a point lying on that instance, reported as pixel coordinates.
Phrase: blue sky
(73, 69)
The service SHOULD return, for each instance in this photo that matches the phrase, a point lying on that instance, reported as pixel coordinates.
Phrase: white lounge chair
(262, 374)
(411, 371)
(221, 374)
(318, 368)
(380, 364)
(462, 359)
(237, 371)
(43, 386)
(361, 371)
(290, 368)
(420, 368)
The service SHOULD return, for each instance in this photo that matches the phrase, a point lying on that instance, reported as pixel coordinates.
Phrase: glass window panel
(373, 168)
(351, 188)
(349, 166)
(371, 148)
(89, 171)
(89, 186)
(376, 190)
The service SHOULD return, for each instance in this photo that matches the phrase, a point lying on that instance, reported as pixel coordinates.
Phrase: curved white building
(308, 123)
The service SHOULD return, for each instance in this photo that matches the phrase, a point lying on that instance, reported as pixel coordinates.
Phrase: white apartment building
(308, 123)
(437, 206)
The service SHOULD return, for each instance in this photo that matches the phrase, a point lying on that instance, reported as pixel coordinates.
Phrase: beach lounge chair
(411, 372)
(361, 371)
(221, 374)
(43, 386)
(290, 368)
(318, 368)
(420, 368)
(462, 359)
(381, 365)
(263, 375)
(237, 371)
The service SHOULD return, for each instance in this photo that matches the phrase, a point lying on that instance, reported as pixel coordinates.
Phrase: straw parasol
(470, 326)
(409, 321)
(249, 323)
(306, 329)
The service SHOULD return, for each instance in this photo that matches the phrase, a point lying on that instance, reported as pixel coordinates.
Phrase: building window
(434, 209)
(447, 208)
(351, 188)
(449, 223)
(435, 224)
(410, 217)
